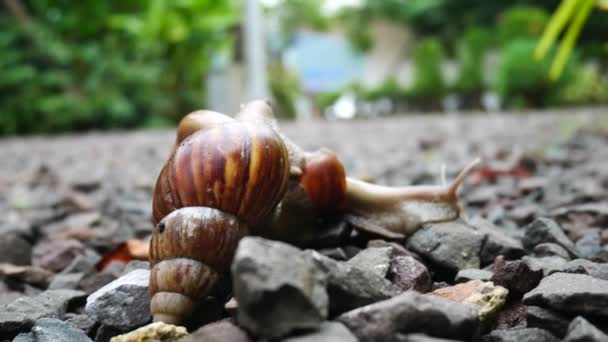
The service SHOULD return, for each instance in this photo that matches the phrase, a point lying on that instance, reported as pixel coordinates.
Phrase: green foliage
(522, 23)
(587, 87)
(388, 89)
(470, 52)
(285, 88)
(428, 80)
(88, 65)
(327, 99)
(523, 80)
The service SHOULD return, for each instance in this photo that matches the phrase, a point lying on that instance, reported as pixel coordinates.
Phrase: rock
(451, 245)
(580, 330)
(334, 253)
(398, 249)
(53, 330)
(546, 230)
(496, 242)
(84, 263)
(489, 298)
(351, 251)
(512, 316)
(332, 236)
(412, 312)
(590, 246)
(95, 281)
(55, 255)
(374, 259)
(66, 281)
(135, 265)
(26, 274)
(548, 249)
(15, 249)
(105, 333)
(81, 322)
(124, 303)
(548, 265)
(520, 335)
(221, 331)
(20, 315)
(279, 289)
(575, 293)
(418, 338)
(516, 276)
(583, 266)
(473, 274)
(350, 287)
(551, 321)
(7, 294)
(157, 331)
(408, 273)
(329, 331)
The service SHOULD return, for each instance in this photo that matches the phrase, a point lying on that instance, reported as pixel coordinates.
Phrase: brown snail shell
(218, 182)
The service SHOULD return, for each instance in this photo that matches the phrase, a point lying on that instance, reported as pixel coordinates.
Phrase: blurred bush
(524, 81)
(470, 56)
(285, 88)
(428, 79)
(524, 22)
(95, 64)
(587, 87)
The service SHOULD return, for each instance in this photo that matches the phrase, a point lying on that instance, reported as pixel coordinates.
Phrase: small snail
(220, 180)
(319, 187)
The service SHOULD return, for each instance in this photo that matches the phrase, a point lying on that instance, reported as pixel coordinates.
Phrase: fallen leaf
(126, 251)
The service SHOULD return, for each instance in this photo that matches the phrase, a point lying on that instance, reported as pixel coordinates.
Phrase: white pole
(255, 51)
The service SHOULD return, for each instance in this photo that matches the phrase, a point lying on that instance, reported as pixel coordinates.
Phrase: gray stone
(520, 335)
(590, 247)
(497, 242)
(473, 274)
(95, 281)
(546, 230)
(451, 245)
(24, 337)
(279, 289)
(583, 266)
(220, 331)
(350, 287)
(15, 249)
(66, 281)
(580, 330)
(123, 303)
(55, 255)
(329, 331)
(551, 321)
(398, 249)
(81, 321)
(408, 273)
(334, 253)
(84, 263)
(548, 264)
(136, 265)
(412, 312)
(517, 276)
(54, 330)
(374, 259)
(105, 333)
(20, 315)
(418, 338)
(575, 293)
(547, 249)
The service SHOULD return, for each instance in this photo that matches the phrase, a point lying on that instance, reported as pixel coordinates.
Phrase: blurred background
(84, 65)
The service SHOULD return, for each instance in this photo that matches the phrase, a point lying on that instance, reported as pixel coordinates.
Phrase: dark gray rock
(412, 312)
(329, 331)
(220, 331)
(334, 253)
(95, 281)
(551, 321)
(546, 230)
(520, 335)
(81, 322)
(548, 264)
(278, 288)
(417, 338)
(66, 281)
(374, 259)
(15, 249)
(20, 315)
(135, 265)
(84, 263)
(408, 273)
(583, 266)
(55, 255)
(575, 293)
(580, 330)
(452, 245)
(517, 276)
(497, 242)
(350, 287)
(105, 333)
(512, 316)
(123, 303)
(548, 249)
(54, 330)
(473, 274)
(398, 249)
(590, 246)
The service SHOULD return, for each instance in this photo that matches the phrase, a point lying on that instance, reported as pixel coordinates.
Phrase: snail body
(219, 181)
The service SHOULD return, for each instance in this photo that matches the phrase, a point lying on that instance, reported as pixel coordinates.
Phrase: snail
(318, 187)
(221, 179)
